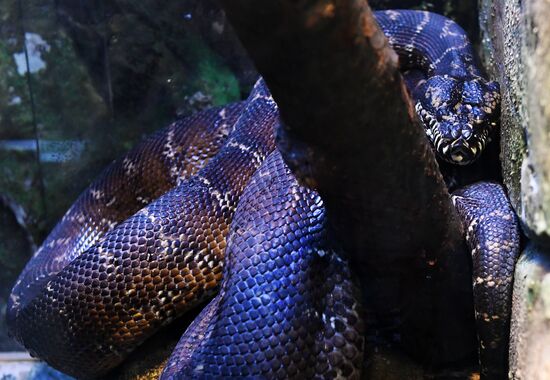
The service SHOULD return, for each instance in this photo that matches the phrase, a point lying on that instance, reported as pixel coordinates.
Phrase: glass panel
(80, 83)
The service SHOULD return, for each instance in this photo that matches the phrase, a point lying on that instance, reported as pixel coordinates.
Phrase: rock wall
(516, 50)
(530, 330)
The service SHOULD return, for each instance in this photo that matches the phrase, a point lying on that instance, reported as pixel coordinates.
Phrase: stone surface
(516, 49)
(516, 42)
(530, 329)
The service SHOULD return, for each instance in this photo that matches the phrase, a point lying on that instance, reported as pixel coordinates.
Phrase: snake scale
(207, 206)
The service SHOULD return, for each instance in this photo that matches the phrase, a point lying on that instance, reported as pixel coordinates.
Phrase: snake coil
(147, 240)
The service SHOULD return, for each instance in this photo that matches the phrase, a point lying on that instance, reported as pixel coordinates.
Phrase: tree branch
(350, 131)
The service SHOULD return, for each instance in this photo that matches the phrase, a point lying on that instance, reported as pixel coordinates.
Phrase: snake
(207, 209)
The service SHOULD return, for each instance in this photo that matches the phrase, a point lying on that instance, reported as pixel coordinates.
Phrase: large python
(148, 239)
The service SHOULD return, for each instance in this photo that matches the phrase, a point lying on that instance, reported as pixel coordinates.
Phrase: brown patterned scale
(90, 309)
(162, 161)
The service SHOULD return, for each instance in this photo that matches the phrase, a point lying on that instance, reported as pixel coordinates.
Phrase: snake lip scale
(207, 208)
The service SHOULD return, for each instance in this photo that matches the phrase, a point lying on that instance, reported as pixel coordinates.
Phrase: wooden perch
(350, 132)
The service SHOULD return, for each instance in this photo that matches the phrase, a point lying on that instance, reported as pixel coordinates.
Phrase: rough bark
(350, 131)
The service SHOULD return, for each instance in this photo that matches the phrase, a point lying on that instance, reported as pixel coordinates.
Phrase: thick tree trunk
(351, 133)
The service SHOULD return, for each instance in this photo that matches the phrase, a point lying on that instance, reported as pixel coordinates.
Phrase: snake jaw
(458, 116)
(454, 141)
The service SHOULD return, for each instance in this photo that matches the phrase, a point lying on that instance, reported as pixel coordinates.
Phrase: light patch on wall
(35, 47)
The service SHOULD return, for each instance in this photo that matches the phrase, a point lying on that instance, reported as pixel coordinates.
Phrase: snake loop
(210, 195)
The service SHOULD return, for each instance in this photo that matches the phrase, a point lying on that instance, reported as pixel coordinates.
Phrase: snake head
(458, 115)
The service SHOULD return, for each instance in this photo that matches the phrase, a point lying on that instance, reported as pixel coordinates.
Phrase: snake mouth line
(456, 151)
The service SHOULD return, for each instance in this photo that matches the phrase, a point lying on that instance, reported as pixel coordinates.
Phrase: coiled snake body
(147, 240)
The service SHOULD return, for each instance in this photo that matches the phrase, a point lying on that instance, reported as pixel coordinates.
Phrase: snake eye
(445, 130)
(478, 114)
(456, 131)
